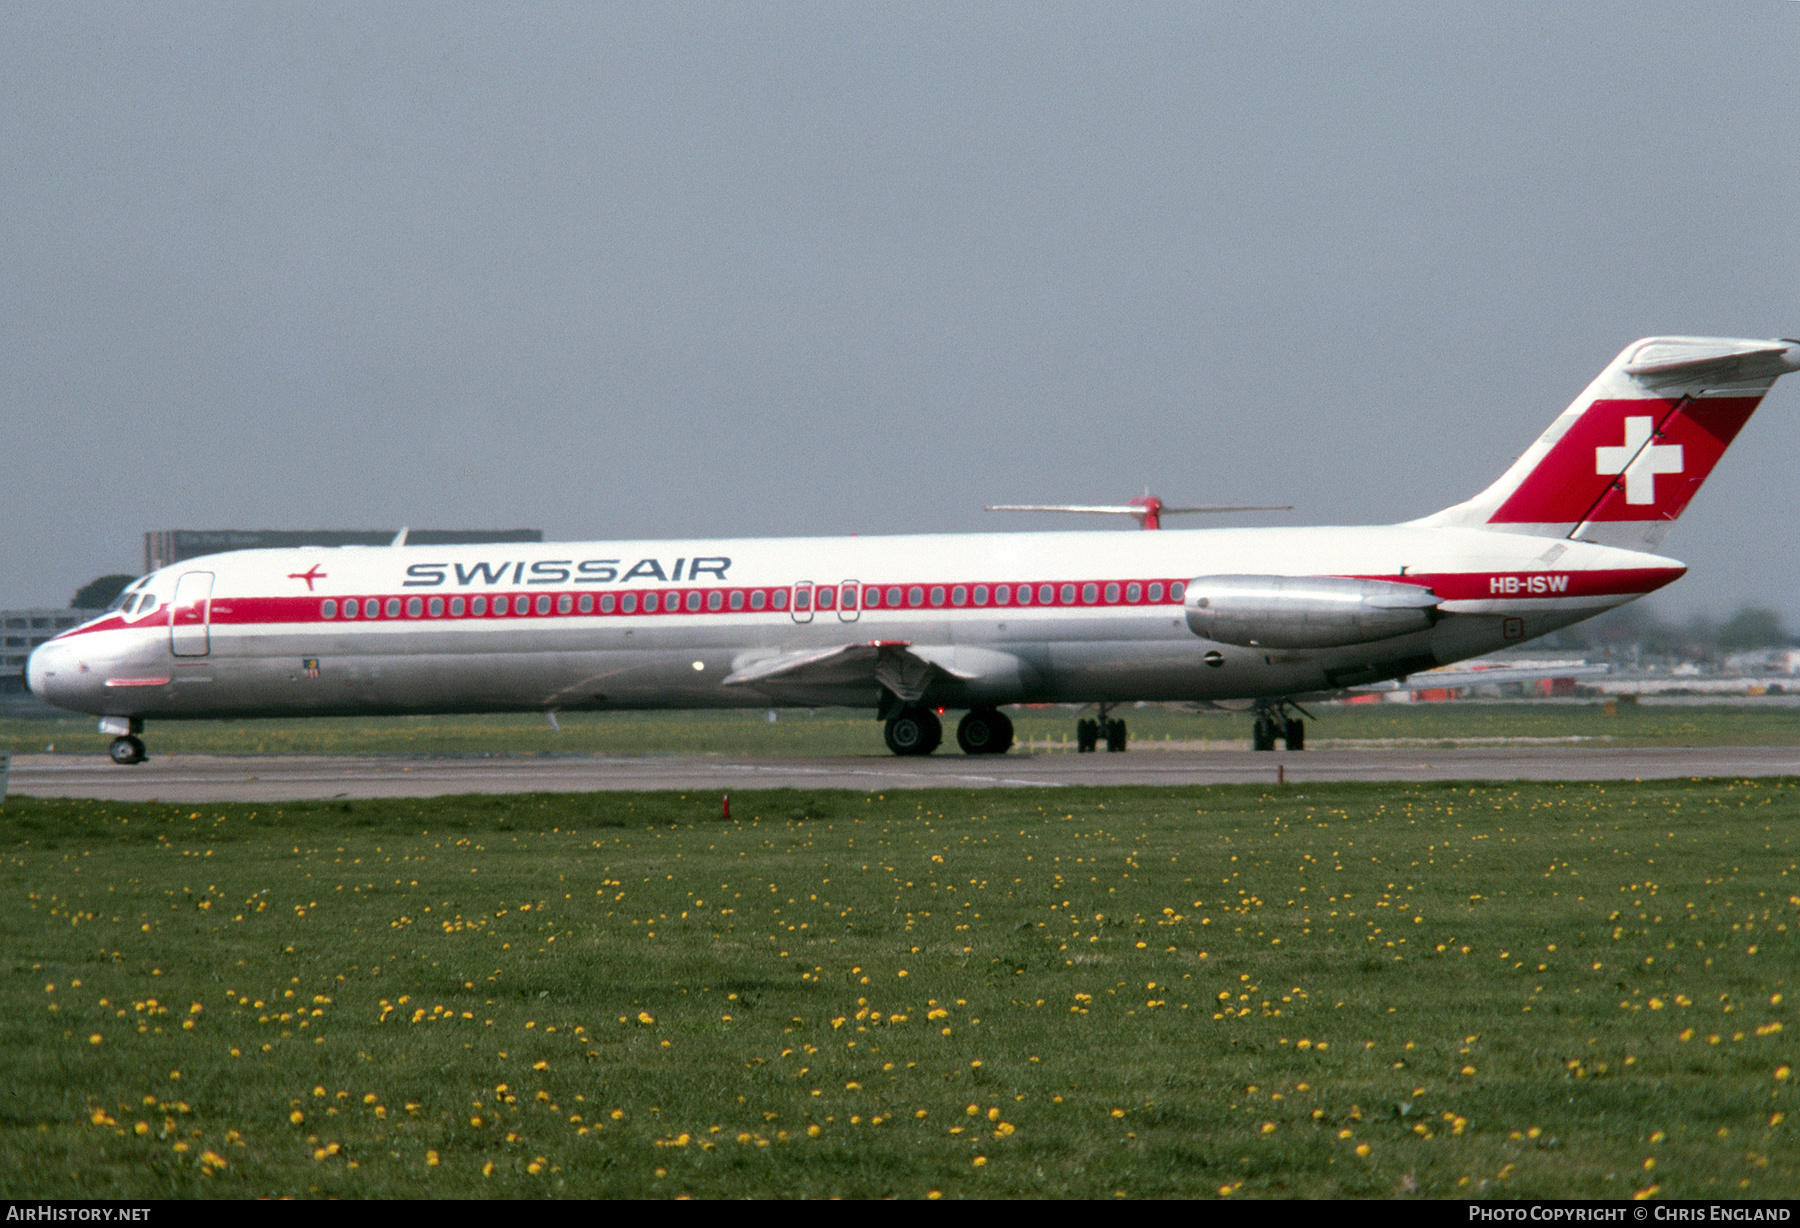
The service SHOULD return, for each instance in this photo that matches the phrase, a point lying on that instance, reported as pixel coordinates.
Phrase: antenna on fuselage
(400, 537)
(1147, 511)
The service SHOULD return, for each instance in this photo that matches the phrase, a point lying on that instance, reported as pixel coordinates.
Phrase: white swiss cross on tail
(1640, 474)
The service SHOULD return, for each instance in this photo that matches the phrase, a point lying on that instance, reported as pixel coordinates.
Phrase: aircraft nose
(47, 664)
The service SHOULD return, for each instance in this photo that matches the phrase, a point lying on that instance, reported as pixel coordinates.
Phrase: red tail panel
(1629, 460)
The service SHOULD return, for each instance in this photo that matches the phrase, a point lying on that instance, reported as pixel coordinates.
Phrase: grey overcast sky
(640, 270)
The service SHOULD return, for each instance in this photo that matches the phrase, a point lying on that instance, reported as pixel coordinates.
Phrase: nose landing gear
(127, 750)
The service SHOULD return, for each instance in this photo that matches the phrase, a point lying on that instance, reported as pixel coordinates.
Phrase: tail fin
(1620, 465)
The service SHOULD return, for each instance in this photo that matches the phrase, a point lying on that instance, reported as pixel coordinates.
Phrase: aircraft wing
(1435, 679)
(903, 668)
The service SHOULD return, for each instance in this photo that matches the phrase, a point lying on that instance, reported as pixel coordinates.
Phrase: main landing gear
(916, 730)
(1090, 733)
(1273, 724)
(985, 731)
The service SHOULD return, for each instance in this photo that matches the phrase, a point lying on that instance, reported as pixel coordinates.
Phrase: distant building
(23, 630)
(165, 546)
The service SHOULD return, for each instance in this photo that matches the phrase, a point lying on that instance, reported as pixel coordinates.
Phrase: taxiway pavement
(205, 778)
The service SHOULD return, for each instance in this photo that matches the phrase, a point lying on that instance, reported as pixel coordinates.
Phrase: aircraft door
(190, 615)
(849, 601)
(802, 606)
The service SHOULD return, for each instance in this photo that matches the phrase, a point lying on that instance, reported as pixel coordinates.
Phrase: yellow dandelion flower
(431, 1159)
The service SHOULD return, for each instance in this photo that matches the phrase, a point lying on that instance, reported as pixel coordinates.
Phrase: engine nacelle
(1305, 611)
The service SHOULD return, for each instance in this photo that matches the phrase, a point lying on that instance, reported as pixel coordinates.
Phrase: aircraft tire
(1295, 734)
(1263, 736)
(1116, 737)
(1087, 736)
(916, 731)
(985, 731)
(127, 750)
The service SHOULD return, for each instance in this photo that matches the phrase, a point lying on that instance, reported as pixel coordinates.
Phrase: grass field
(842, 732)
(1352, 990)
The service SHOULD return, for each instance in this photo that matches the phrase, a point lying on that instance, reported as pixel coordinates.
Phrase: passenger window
(543, 604)
(1133, 592)
(1156, 592)
(478, 606)
(651, 601)
(1090, 593)
(758, 599)
(393, 607)
(328, 609)
(1112, 594)
(849, 596)
(587, 603)
(565, 604)
(436, 606)
(893, 598)
(779, 597)
(456, 607)
(1003, 594)
(803, 599)
(607, 603)
(414, 607)
(715, 600)
(1177, 591)
(737, 598)
(350, 608)
(693, 602)
(827, 597)
(628, 603)
(981, 594)
(372, 608)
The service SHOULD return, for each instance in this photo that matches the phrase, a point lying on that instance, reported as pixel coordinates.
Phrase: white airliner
(913, 626)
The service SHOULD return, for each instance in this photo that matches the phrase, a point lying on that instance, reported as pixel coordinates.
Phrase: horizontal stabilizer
(1717, 358)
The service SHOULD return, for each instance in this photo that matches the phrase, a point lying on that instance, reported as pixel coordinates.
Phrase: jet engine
(1305, 611)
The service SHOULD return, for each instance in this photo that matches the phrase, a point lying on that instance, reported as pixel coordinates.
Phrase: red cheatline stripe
(1536, 585)
(913, 599)
(910, 598)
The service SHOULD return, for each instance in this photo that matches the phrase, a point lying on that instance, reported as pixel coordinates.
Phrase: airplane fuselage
(998, 619)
